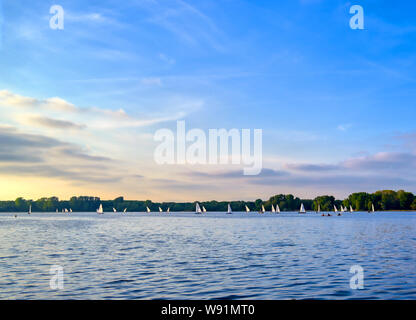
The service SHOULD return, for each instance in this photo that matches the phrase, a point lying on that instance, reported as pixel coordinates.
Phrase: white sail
(168, 210)
(70, 210)
(160, 209)
(335, 208)
(114, 209)
(273, 209)
(66, 210)
(302, 209)
(247, 209)
(372, 207)
(100, 209)
(30, 209)
(351, 209)
(277, 208)
(203, 209)
(56, 210)
(263, 209)
(198, 208)
(125, 210)
(229, 209)
(319, 207)
(147, 209)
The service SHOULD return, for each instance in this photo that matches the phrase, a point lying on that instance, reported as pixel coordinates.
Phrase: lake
(211, 256)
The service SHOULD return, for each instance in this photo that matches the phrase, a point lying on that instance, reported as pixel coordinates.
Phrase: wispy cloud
(93, 117)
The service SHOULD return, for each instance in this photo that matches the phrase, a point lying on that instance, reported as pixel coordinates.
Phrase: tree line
(360, 201)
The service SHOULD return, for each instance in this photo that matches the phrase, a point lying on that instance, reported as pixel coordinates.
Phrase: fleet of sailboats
(198, 210)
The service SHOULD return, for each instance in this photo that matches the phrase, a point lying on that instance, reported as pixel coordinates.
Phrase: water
(213, 256)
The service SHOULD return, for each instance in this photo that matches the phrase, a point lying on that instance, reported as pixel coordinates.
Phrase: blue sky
(336, 105)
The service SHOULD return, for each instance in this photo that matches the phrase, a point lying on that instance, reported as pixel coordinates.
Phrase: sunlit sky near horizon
(79, 106)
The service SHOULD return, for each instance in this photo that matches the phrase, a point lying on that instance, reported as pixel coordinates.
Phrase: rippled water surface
(213, 256)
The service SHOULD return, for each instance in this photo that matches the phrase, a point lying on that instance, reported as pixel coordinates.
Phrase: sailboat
(168, 211)
(100, 209)
(277, 208)
(70, 210)
(302, 209)
(335, 208)
(273, 209)
(56, 210)
(114, 209)
(263, 210)
(229, 211)
(30, 210)
(319, 208)
(247, 209)
(125, 210)
(351, 209)
(160, 209)
(66, 210)
(198, 209)
(147, 209)
(203, 209)
(372, 208)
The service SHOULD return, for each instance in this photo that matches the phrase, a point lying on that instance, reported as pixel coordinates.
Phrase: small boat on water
(66, 210)
(302, 209)
(198, 209)
(30, 210)
(168, 211)
(160, 210)
(372, 209)
(70, 210)
(335, 208)
(100, 209)
(351, 209)
(125, 210)
(229, 211)
(147, 209)
(273, 209)
(247, 209)
(277, 208)
(263, 210)
(114, 210)
(203, 209)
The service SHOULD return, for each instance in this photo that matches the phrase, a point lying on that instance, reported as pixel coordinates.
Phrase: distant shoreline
(384, 200)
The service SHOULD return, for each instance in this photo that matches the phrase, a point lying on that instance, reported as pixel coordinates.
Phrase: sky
(80, 106)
